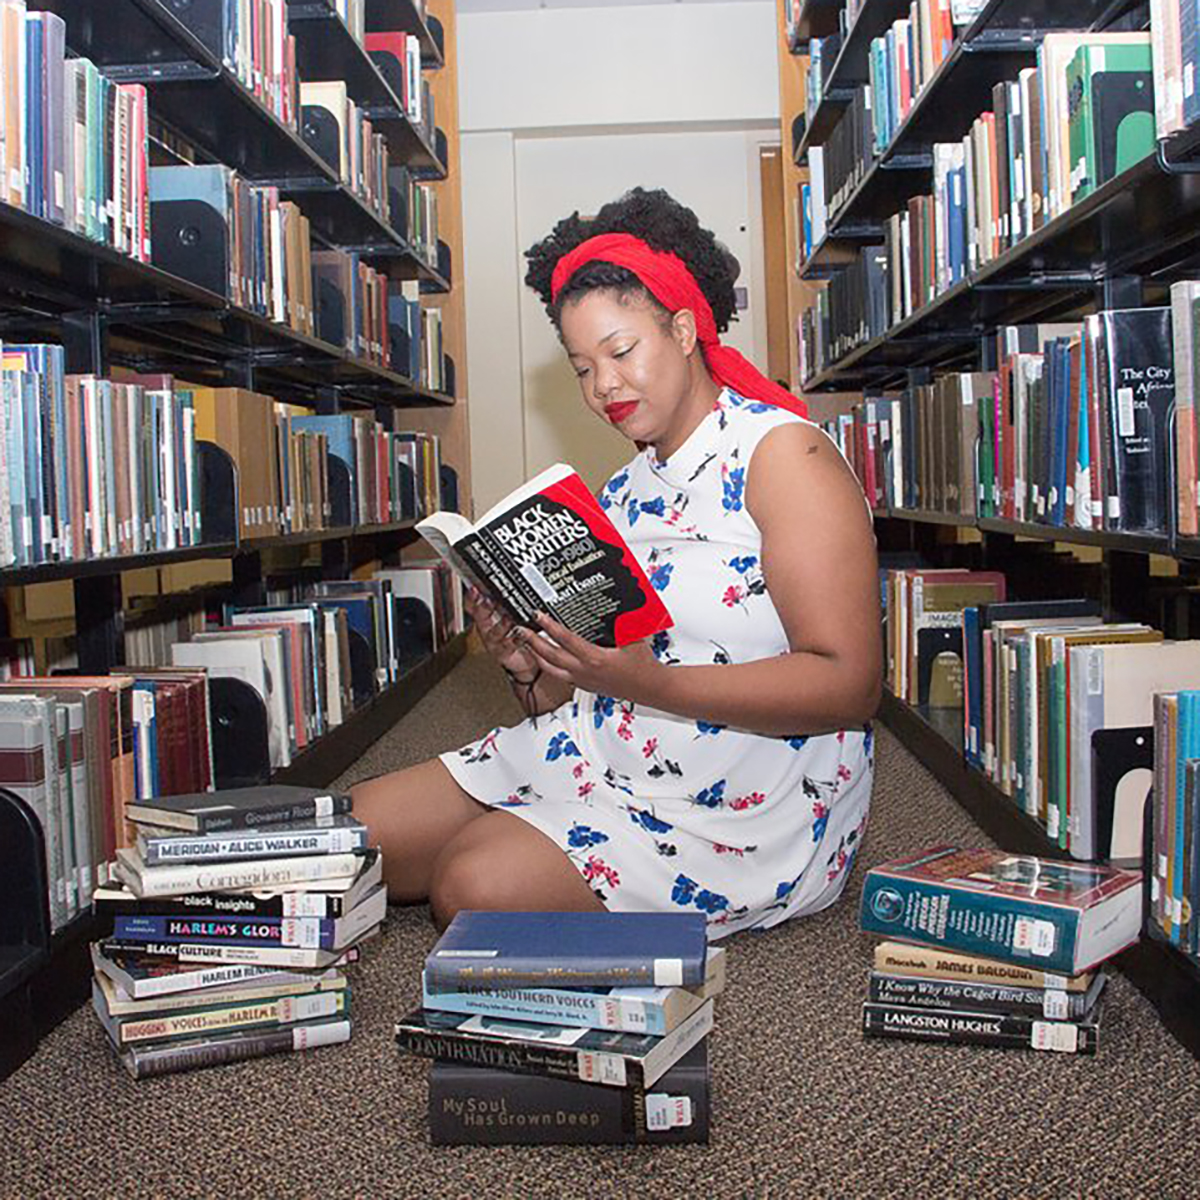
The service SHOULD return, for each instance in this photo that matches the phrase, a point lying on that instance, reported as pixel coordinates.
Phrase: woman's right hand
(495, 631)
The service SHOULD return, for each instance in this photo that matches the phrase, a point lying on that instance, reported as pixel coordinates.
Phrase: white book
(181, 879)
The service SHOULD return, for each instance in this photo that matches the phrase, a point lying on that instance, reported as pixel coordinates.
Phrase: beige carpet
(802, 1106)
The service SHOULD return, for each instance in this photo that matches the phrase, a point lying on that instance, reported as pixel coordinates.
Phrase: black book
(978, 1028)
(239, 808)
(1052, 1004)
(476, 1106)
(1139, 391)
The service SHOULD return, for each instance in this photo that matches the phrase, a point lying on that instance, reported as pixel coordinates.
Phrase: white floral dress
(662, 813)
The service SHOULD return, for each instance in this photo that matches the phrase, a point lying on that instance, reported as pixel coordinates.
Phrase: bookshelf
(1120, 246)
(109, 311)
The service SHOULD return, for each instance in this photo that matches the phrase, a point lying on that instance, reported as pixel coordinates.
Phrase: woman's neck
(700, 400)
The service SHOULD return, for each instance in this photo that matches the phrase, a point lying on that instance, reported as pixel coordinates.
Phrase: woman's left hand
(627, 673)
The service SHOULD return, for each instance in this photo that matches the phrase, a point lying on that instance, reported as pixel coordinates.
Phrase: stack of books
(550, 1028)
(228, 925)
(994, 949)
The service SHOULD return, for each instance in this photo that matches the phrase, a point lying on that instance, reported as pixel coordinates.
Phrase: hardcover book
(569, 949)
(213, 1050)
(477, 1106)
(549, 547)
(239, 808)
(654, 1011)
(563, 1051)
(1057, 916)
(233, 1015)
(981, 1029)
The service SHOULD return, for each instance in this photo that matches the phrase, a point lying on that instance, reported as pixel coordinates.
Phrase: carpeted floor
(802, 1106)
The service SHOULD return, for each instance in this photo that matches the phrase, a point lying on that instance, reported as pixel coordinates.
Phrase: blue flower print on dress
(712, 796)
(655, 508)
(796, 743)
(660, 577)
(708, 729)
(617, 482)
(820, 820)
(561, 746)
(744, 564)
(684, 890)
(579, 837)
(660, 647)
(733, 485)
(711, 902)
(648, 821)
(602, 709)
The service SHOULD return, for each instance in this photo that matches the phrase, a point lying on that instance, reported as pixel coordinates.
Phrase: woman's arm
(820, 568)
(537, 691)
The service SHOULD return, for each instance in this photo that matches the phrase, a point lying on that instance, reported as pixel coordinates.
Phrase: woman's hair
(663, 224)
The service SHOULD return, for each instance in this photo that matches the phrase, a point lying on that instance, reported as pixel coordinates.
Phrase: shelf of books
(227, 397)
(1016, 307)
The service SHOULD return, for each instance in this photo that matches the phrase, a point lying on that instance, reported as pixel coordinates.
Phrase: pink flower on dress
(596, 868)
(718, 848)
(625, 733)
(649, 748)
(577, 771)
(753, 800)
(733, 595)
(843, 772)
(585, 789)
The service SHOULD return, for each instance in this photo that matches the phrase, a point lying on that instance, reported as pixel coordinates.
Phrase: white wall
(564, 110)
(618, 65)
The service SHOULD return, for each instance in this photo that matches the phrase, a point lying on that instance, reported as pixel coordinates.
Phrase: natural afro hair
(663, 224)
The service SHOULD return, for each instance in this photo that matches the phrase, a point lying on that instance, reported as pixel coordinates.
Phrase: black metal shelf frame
(818, 18)
(1187, 549)
(50, 276)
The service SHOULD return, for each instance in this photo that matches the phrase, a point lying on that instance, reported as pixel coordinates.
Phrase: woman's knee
(464, 879)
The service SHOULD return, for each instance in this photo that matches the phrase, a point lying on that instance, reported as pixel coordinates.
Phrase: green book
(1110, 112)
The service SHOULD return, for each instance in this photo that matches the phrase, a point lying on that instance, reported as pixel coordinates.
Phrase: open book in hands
(549, 547)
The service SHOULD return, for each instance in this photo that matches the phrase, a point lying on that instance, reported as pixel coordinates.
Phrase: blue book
(35, 128)
(1062, 917)
(973, 692)
(570, 949)
(956, 239)
(1187, 747)
(339, 429)
(307, 933)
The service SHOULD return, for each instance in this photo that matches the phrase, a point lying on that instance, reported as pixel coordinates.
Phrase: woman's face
(632, 365)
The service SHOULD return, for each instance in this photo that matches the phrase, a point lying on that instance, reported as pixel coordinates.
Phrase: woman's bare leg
(499, 862)
(412, 816)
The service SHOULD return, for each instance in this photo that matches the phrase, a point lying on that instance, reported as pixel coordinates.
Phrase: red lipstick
(620, 411)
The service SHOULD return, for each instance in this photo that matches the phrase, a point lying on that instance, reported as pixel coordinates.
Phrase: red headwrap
(669, 281)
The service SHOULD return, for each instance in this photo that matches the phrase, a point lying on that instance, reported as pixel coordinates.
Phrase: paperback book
(655, 1011)
(549, 547)
(318, 835)
(564, 1051)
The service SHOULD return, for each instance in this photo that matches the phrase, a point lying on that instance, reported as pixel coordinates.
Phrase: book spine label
(979, 1029)
(992, 926)
(195, 952)
(226, 876)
